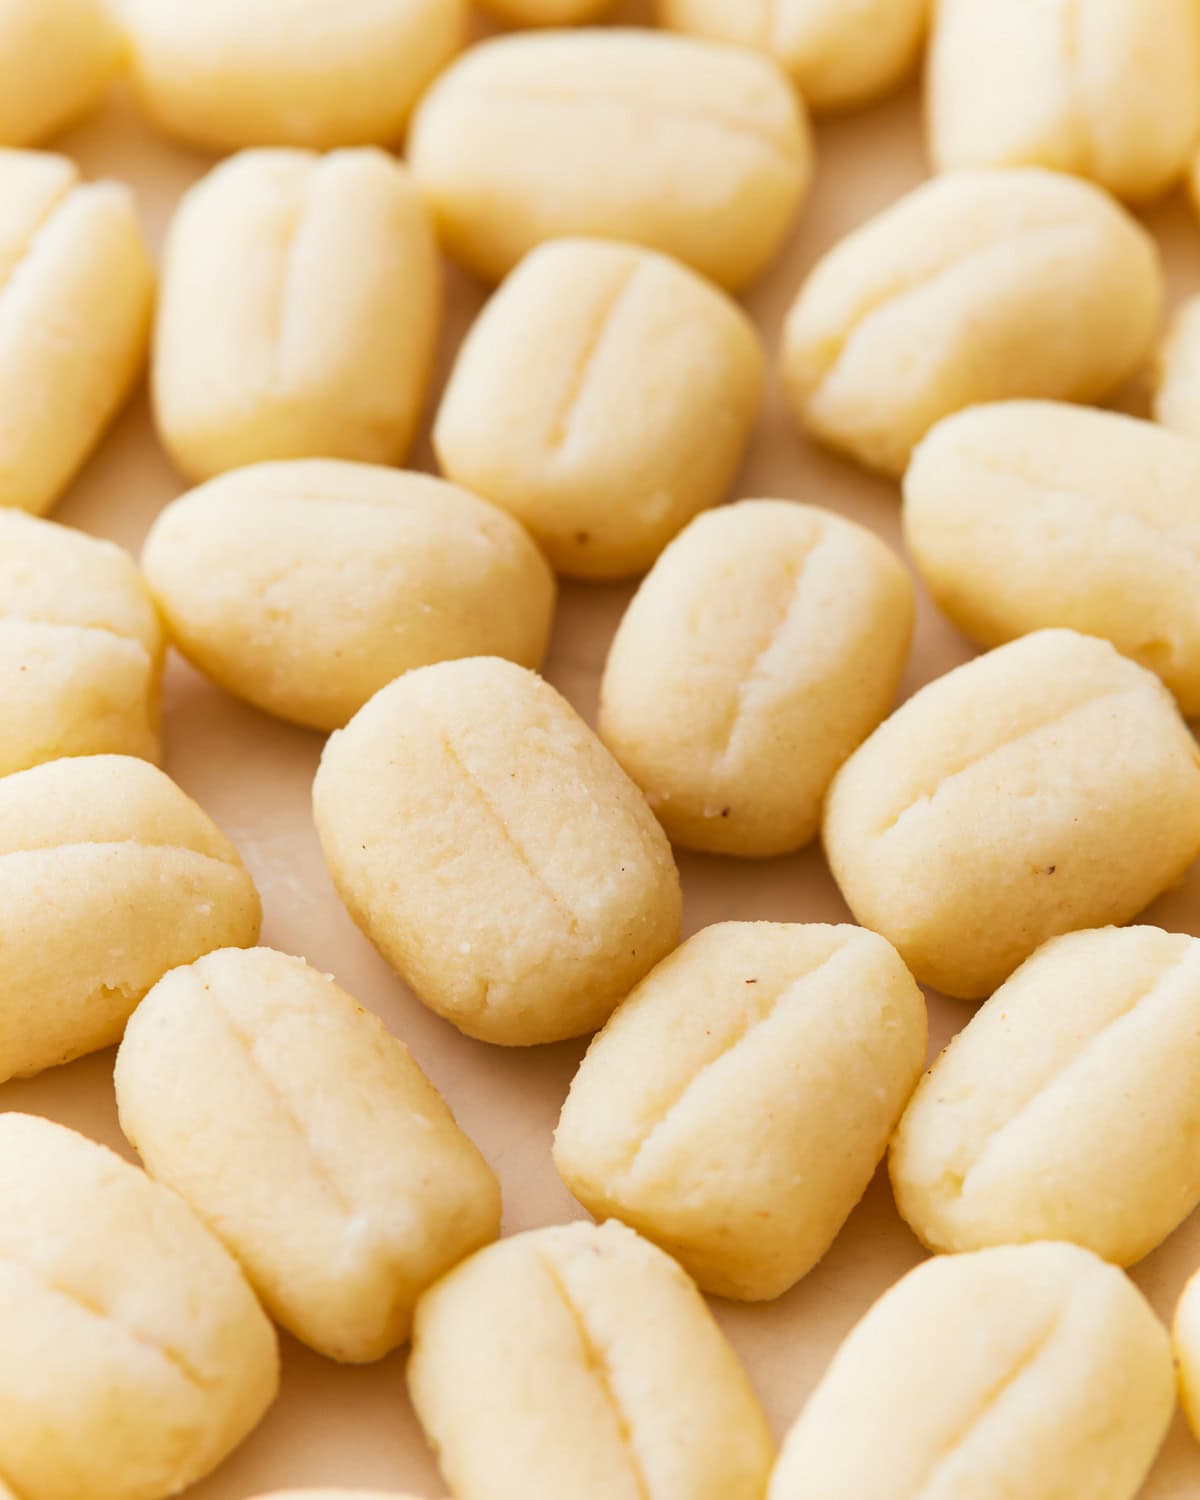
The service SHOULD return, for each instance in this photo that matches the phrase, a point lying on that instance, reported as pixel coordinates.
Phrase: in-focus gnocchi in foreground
(59, 58)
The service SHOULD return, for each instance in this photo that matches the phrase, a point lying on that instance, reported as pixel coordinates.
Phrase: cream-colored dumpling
(767, 642)
(1107, 89)
(230, 73)
(581, 1361)
(1068, 1108)
(977, 286)
(605, 395)
(1035, 1371)
(305, 587)
(1045, 787)
(1026, 514)
(76, 294)
(693, 148)
(109, 876)
(839, 54)
(1177, 397)
(1186, 1340)
(134, 1356)
(300, 307)
(58, 57)
(308, 1140)
(495, 853)
(81, 647)
(736, 1105)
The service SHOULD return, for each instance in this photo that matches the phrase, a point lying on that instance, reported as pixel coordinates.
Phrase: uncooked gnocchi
(582, 1361)
(1177, 396)
(59, 56)
(1186, 1340)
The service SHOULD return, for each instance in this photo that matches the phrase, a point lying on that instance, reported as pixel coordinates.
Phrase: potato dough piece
(300, 307)
(1033, 1370)
(1186, 1339)
(693, 148)
(977, 286)
(81, 647)
(59, 56)
(308, 1140)
(1026, 514)
(1108, 89)
(305, 587)
(495, 853)
(839, 54)
(109, 876)
(605, 395)
(1177, 399)
(1048, 786)
(134, 1356)
(1068, 1108)
(76, 292)
(764, 647)
(735, 1107)
(230, 73)
(581, 1361)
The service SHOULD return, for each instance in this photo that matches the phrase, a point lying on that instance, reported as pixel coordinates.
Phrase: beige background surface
(353, 1426)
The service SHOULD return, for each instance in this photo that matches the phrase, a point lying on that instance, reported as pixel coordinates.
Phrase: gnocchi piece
(1026, 514)
(1186, 1342)
(605, 395)
(109, 876)
(977, 286)
(735, 1107)
(134, 1357)
(1109, 89)
(1045, 787)
(580, 1360)
(81, 647)
(839, 55)
(1032, 1370)
(766, 644)
(308, 1140)
(76, 291)
(1068, 1107)
(693, 148)
(231, 73)
(300, 307)
(306, 587)
(495, 853)
(1177, 393)
(59, 57)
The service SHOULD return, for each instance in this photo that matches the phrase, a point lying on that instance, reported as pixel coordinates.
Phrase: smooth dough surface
(694, 148)
(1035, 1371)
(495, 853)
(305, 587)
(977, 286)
(735, 1107)
(765, 645)
(604, 396)
(1048, 786)
(1177, 373)
(300, 307)
(59, 56)
(1186, 1341)
(581, 1361)
(134, 1356)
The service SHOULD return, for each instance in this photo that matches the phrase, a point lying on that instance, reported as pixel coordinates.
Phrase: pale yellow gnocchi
(59, 57)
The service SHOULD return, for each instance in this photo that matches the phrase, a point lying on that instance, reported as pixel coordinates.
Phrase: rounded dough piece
(59, 57)
(225, 74)
(1033, 1370)
(581, 1361)
(1106, 89)
(693, 148)
(308, 1140)
(977, 286)
(765, 645)
(1186, 1341)
(300, 308)
(495, 853)
(1068, 1107)
(109, 876)
(604, 396)
(1022, 515)
(1177, 396)
(1045, 787)
(839, 55)
(306, 587)
(134, 1357)
(81, 647)
(735, 1106)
